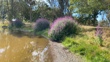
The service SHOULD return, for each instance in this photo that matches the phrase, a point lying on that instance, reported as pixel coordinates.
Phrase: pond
(16, 48)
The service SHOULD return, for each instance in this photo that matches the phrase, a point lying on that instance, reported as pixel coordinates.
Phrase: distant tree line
(87, 11)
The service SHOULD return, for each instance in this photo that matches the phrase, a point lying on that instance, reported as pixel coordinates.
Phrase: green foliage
(44, 11)
(91, 52)
(89, 8)
(104, 23)
(43, 33)
(17, 10)
(61, 5)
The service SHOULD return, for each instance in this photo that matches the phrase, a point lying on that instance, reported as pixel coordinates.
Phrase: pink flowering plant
(64, 26)
(99, 33)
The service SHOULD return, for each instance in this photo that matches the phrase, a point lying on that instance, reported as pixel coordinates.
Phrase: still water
(23, 48)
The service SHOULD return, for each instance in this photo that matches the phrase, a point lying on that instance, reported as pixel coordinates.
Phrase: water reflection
(15, 48)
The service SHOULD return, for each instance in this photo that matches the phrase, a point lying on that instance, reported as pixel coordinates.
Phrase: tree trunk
(30, 15)
(2, 2)
(94, 21)
(64, 5)
(12, 11)
(7, 6)
(61, 3)
(67, 6)
(12, 7)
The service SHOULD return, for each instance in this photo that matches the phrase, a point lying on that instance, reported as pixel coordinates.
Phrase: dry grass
(106, 37)
(90, 32)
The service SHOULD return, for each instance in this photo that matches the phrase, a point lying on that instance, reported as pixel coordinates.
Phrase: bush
(64, 26)
(16, 23)
(41, 24)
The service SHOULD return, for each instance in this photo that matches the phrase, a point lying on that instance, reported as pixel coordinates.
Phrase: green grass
(88, 46)
(42, 33)
(92, 52)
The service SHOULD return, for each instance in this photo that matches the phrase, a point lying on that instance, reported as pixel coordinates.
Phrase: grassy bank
(88, 46)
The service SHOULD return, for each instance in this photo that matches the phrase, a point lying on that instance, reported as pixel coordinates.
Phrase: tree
(108, 17)
(62, 5)
(19, 9)
(30, 3)
(3, 9)
(44, 11)
(89, 7)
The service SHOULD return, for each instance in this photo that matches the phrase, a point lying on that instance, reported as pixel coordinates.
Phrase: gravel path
(60, 54)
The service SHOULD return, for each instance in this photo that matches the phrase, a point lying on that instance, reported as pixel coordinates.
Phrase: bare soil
(61, 54)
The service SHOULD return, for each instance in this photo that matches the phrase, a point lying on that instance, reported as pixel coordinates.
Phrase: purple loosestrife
(63, 26)
(99, 33)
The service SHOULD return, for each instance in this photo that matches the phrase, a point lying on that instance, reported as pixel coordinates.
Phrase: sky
(43, 1)
(100, 17)
(35, 7)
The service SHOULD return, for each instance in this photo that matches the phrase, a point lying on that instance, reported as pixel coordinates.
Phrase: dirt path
(62, 55)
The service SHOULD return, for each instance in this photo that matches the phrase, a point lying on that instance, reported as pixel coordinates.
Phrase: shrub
(41, 24)
(16, 23)
(64, 26)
